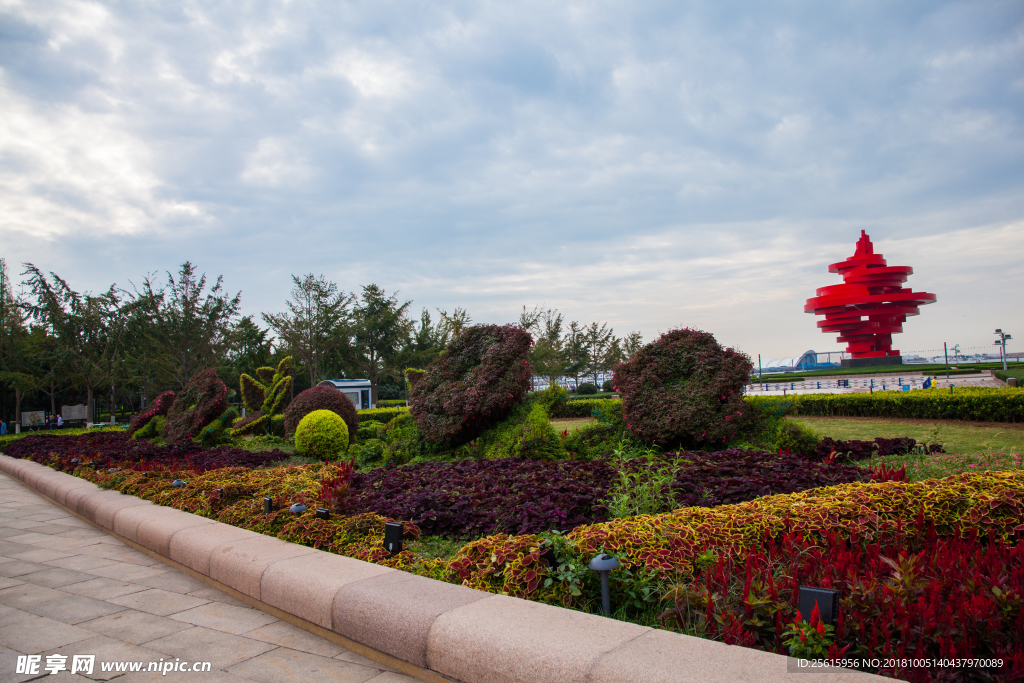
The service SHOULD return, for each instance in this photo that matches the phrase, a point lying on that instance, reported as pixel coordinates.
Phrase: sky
(651, 165)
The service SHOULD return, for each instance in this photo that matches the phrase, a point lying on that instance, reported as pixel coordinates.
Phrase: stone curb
(429, 629)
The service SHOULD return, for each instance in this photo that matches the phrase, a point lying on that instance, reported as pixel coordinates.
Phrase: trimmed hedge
(381, 414)
(321, 398)
(322, 434)
(201, 402)
(580, 407)
(967, 403)
(7, 439)
(390, 403)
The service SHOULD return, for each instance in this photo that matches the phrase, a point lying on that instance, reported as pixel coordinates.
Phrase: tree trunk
(89, 417)
(53, 398)
(113, 410)
(17, 411)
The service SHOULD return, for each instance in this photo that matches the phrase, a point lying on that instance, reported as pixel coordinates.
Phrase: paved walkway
(67, 588)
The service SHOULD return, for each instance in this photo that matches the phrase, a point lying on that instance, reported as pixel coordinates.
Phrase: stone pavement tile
(79, 562)
(7, 548)
(73, 609)
(7, 583)
(55, 577)
(134, 627)
(217, 596)
(356, 658)
(6, 531)
(154, 601)
(9, 664)
(27, 594)
(16, 568)
(119, 552)
(103, 588)
(88, 532)
(226, 618)
(47, 516)
(126, 571)
(19, 523)
(289, 666)
(32, 634)
(393, 677)
(44, 555)
(55, 529)
(174, 581)
(213, 676)
(204, 645)
(286, 635)
(108, 650)
(53, 542)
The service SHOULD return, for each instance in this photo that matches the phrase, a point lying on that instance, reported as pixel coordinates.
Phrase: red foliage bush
(202, 400)
(684, 389)
(321, 398)
(925, 599)
(482, 375)
(161, 404)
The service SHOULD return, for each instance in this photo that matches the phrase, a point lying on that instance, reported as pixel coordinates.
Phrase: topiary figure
(160, 405)
(219, 431)
(202, 400)
(684, 389)
(476, 383)
(264, 398)
(321, 434)
(321, 398)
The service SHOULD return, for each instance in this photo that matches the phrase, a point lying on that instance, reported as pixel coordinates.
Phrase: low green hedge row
(1011, 372)
(581, 407)
(381, 414)
(391, 403)
(966, 403)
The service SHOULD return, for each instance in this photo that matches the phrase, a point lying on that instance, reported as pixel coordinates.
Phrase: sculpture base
(871, 362)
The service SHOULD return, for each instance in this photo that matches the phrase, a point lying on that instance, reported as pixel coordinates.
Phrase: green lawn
(970, 446)
(572, 424)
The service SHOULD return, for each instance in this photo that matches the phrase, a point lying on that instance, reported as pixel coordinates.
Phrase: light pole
(1002, 344)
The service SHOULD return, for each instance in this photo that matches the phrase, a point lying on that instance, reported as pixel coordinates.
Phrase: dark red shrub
(116, 449)
(482, 375)
(684, 389)
(160, 405)
(922, 599)
(321, 398)
(202, 400)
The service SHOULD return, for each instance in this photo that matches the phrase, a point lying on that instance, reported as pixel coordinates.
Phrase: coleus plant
(264, 397)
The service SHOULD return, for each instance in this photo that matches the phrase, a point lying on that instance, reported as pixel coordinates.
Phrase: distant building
(357, 391)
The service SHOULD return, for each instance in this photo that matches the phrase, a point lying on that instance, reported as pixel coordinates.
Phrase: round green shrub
(586, 388)
(795, 438)
(321, 434)
(607, 386)
(684, 389)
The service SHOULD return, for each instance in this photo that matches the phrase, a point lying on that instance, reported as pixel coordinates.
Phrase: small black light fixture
(297, 509)
(393, 532)
(323, 513)
(268, 505)
(179, 482)
(75, 461)
(220, 492)
(605, 563)
(113, 469)
(826, 599)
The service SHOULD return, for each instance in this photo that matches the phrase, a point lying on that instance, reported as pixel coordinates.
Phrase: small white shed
(357, 390)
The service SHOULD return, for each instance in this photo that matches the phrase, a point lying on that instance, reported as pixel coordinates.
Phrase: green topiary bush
(526, 433)
(475, 384)
(321, 398)
(586, 389)
(321, 434)
(219, 431)
(264, 398)
(159, 407)
(684, 389)
(607, 386)
(795, 438)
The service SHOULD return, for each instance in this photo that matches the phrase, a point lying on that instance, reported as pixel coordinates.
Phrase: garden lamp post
(1002, 344)
(605, 563)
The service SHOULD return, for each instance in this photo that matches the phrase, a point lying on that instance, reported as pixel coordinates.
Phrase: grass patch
(955, 436)
(436, 547)
(939, 465)
(571, 424)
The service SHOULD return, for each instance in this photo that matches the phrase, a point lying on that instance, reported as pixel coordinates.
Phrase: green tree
(631, 343)
(548, 354)
(601, 349)
(382, 331)
(318, 320)
(575, 351)
(190, 325)
(12, 340)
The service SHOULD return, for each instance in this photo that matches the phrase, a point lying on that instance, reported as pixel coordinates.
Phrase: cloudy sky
(646, 164)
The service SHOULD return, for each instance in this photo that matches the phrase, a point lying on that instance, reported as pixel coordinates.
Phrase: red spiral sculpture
(870, 306)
